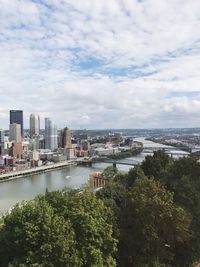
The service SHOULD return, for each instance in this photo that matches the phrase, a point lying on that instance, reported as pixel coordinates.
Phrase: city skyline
(101, 64)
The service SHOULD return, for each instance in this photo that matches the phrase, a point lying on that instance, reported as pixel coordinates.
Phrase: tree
(110, 172)
(149, 223)
(156, 165)
(62, 228)
(92, 223)
(32, 235)
(154, 224)
(183, 180)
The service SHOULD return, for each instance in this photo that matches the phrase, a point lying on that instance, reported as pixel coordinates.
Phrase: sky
(101, 63)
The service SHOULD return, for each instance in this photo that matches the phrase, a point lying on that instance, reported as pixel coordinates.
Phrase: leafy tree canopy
(62, 228)
(150, 224)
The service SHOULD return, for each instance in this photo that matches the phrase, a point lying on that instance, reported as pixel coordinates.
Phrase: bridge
(181, 151)
(90, 161)
(165, 147)
(129, 162)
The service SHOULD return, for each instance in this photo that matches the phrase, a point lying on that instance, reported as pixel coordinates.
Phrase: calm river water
(27, 188)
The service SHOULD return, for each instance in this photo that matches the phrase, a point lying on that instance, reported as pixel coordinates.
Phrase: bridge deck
(113, 161)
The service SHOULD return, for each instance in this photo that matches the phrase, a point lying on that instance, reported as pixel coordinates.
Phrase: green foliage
(181, 177)
(157, 165)
(110, 172)
(183, 180)
(33, 235)
(156, 223)
(150, 224)
(126, 154)
(91, 221)
(62, 228)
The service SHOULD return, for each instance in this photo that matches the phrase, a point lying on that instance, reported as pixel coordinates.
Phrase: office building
(16, 116)
(51, 136)
(66, 138)
(1, 136)
(34, 125)
(16, 151)
(1, 142)
(15, 133)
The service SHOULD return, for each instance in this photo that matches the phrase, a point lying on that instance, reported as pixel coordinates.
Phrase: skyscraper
(1, 142)
(66, 138)
(16, 116)
(1, 136)
(15, 133)
(51, 136)
(34, 124)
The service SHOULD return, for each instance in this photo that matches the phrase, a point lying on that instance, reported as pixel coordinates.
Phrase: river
(27, 188)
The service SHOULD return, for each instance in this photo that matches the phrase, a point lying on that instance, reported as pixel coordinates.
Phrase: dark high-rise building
(16, 116)
(1, 142)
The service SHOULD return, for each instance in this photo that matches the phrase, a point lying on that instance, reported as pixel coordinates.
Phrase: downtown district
(21, 150)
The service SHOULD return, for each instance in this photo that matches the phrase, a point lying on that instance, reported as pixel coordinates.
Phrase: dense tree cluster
(148, 217)
(62, 228)
(151, 225)
(182, 177)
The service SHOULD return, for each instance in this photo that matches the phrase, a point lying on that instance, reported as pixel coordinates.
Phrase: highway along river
(26, 188)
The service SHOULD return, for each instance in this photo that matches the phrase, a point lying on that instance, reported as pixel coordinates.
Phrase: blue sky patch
(191, 94)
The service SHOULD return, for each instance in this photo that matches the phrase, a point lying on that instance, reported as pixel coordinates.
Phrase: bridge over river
(148, 148)
(172, 151)
(129, 162)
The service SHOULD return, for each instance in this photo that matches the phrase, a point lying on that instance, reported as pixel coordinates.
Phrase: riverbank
(18, 174)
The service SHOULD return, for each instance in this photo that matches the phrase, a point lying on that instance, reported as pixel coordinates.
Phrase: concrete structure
(16, 116)
(34, 155)
(97, 180)
(21, 165)
(51, 136)
(28, 172)
(35, 142)
(16, 151)
(70, 153)
(59, 157)
(105, 151)
(5, 164)
(34, 125)
(15, 133)
(7, 144)
(66, 138)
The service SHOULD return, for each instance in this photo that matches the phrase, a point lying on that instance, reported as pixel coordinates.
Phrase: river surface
(28, 187)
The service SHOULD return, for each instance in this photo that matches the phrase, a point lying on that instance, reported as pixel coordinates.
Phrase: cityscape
(99, 133)
(22, 150)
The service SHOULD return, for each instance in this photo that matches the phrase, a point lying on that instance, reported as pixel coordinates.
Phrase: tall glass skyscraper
(16, 116)
(51, 135)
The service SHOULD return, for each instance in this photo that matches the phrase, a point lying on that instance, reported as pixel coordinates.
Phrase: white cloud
(143, 51)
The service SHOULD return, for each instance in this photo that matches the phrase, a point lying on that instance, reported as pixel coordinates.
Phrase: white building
(51, 135)
(15, 133)
(34, 125)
